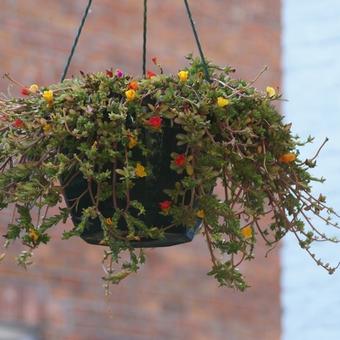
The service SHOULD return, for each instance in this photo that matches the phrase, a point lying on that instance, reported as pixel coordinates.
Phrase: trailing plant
(105, 128)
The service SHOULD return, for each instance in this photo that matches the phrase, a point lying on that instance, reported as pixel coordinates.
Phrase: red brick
(171, 297)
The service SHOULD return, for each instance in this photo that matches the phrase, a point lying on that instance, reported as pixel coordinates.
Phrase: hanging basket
(137, 160)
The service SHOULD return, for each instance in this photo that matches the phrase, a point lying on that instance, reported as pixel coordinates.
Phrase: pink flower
(3, 117)
(119, 73)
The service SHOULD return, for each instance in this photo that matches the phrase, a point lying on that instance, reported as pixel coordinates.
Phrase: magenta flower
(119, 73)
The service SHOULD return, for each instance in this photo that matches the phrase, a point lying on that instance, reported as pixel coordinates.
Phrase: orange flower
(133, 85)
(287, 158)
(247, 232)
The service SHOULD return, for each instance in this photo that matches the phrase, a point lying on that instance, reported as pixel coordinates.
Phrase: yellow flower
(132, 142)
(132, 237)
(48, 96)
(94, 146)
(248, 120)
(33, 234)
(47, 128)
(222, 102)
(247, 232)
(34, 88)
(200, 214)
(270, 91)
(183, 75)
(287, 158)
(189, 169)
(130, 95)
(140, 170)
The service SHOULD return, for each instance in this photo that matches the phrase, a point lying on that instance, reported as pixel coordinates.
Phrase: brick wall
(171, 297)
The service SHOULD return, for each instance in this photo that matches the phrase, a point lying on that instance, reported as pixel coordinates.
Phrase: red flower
(154, 60)
(25, 91)
(165, 205)
(18, 123)
(109, 73)
(155, 122)
(150, 74)
(180, 160)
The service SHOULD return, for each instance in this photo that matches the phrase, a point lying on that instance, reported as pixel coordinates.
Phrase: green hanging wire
(67, 65)
(199, 46)
(144, 35)
(75, 43)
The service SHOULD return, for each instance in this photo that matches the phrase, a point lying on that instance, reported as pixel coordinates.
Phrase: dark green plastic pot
(148, 190)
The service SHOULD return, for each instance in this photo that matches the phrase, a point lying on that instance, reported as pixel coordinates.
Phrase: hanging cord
(145, 21)
(204, 63)
(76, 40)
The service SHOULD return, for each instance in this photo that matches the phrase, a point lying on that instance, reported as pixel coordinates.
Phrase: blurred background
(311, 68)
(61, 296)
